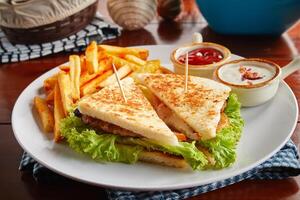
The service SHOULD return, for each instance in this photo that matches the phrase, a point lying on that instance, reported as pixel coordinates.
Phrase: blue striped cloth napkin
(285, 163)
(98, 30)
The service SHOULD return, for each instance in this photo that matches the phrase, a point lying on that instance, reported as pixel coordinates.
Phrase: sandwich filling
(108, 127)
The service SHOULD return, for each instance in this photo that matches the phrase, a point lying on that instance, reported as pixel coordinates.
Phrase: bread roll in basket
(39, 21)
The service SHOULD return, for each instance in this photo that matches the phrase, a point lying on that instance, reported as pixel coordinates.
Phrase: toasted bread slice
(136, 115)
(200, 107)
(163, 159)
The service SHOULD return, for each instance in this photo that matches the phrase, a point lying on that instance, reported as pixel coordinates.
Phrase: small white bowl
(198, 70)
(254, 92)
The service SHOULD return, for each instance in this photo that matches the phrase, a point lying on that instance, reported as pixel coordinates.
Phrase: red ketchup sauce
(202, 56)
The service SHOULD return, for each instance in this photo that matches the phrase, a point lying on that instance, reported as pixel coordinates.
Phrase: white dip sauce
(257, 72)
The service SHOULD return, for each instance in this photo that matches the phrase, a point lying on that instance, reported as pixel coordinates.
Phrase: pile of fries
(85, 75)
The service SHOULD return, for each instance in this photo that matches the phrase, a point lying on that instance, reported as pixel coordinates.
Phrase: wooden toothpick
(119, 82)
(186, 72)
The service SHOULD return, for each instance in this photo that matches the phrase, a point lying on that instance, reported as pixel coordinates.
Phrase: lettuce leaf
(195, 158)
(99, 147)
(113, 148)
(223, 146)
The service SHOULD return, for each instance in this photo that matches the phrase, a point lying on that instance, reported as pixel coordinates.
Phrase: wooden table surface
(16, 76)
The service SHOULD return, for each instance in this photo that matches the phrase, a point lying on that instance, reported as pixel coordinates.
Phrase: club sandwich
(111, 129)
(207, 112)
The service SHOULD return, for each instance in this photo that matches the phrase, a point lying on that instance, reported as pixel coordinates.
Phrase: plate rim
(147, 188)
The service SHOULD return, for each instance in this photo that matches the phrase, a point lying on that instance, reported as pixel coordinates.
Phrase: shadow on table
(134, 38)
(169, 31)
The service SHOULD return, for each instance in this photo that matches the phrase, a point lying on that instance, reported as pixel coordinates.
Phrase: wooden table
(16, 76)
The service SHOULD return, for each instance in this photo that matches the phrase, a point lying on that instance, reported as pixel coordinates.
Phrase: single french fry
(83, 63)
(50, 97)
(86, 77)
(119, 62)
(93, 85)
(75, 71)
(122, 72)
(134, 59)
(91, 54)
(105, 64)
(58, 113)
(45, 114)
(64, 68)
(138, 52)
(102, 54)
(50, 82)
(65, 91)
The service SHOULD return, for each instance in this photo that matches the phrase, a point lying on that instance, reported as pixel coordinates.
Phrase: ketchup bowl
(203, 58)
(254, 80)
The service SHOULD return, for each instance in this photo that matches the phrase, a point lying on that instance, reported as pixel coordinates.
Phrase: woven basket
(53, 31)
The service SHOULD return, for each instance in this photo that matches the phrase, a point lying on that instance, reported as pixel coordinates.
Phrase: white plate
(268, 127)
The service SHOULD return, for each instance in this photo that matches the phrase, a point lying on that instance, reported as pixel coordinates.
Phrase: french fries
(134, 59)
(65, 91)
(102, 54)
(85, 75)
(122, 72)
(83, 63)
(64, 68)
(120, 51)
(45, 114)
(105, 64)
(58, 113)
(49, 83)
(119, 62)
(50, 97)
(75, 71)
(93, 85)
(91, 54)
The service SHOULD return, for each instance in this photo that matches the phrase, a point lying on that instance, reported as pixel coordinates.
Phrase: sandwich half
(207, 112)
(108, 128)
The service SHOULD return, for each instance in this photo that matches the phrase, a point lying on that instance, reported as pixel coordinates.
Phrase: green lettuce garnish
(223, 146)
(195, 158)
(114, 148)
(99, 147)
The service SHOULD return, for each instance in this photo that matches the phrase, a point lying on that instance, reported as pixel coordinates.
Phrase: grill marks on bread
(136, 115)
